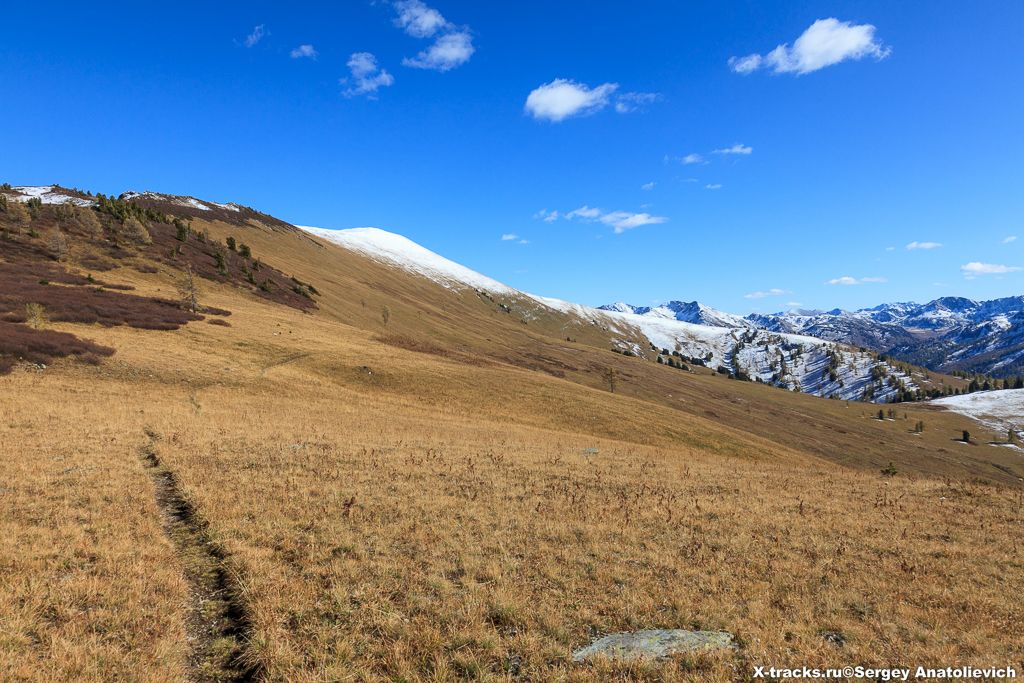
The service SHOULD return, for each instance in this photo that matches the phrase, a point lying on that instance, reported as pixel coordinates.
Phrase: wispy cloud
(452, 46)
(774, 291)
(583, 212)
(258, 34)
(846, 280)
(546, 216)
(975, 268)
(824, 43)
(913, 246)
(619, 221)
(1008, 240)
(307, 51)
(634, 101)
(509, 237)
(366, 76)
(735, 149)
(713, 186)
(648, 186)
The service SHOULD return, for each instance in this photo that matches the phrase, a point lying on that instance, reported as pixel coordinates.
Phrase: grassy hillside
(316, 490)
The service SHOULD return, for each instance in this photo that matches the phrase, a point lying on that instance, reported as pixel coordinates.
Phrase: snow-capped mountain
(686, 311)
(679, 334)
(950, 333)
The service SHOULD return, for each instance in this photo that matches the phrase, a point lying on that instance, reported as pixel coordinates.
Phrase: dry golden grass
(481, 540)
(89, 588)
(396, 514)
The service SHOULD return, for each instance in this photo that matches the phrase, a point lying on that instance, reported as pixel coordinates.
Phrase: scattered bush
(35, 314)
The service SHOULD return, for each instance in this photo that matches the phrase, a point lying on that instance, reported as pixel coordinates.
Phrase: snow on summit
(395, 249)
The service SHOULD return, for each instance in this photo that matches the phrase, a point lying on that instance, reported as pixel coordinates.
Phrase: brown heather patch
(87, 304)
(22, 343)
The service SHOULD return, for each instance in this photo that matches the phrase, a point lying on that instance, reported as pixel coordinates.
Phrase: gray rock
(654, 644)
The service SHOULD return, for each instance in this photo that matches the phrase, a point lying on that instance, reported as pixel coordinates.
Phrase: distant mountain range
(947, 334)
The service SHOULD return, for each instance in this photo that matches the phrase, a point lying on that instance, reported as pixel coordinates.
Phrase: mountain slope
(689, 331)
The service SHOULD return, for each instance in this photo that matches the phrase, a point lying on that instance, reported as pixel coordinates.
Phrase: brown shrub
(19, 342)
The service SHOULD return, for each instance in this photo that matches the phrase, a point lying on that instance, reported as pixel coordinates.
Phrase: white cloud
(523, 242)
(648, 186)
(583, 212)
(735, 149)
(452, 47)
(847, 280)
(632, 101)
(546, 216)
(890, 248)
(304, 51)
(447, 52)
(619, 221)
(508, 237)
(923, 245)
(774, 291)
(975, 268)
(1011, 238)
(367, 78)
(622, 221)
(419, 20)
(562, 98)
(794, 304)
(692, 158)
(713, 186)
(745, 65)
(258, 34)
(824, 43)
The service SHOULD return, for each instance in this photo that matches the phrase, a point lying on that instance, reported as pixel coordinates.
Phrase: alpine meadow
(690, 346)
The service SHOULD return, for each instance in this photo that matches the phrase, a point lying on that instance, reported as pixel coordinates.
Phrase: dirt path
(218, 625)
(285, 361)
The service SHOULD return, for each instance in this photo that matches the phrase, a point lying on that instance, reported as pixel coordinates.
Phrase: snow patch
(47, 195)
(998, 410)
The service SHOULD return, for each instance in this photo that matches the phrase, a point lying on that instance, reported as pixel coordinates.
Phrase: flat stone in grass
(654, 644)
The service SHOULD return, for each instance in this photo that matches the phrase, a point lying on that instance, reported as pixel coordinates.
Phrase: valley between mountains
(238, 449)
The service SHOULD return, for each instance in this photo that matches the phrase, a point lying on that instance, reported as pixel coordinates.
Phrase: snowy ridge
(999, 410)
(394, 249)
(47, 194)
(187, 202)
(795, 362)
(686, 311)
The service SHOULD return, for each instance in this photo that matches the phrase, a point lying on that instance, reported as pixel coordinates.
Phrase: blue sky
(874, 126)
